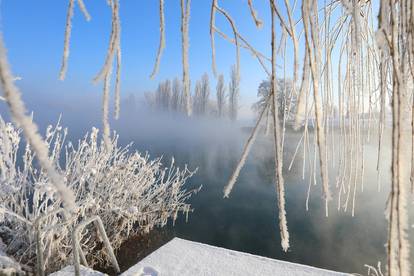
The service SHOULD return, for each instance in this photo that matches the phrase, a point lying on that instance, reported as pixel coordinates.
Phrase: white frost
(187, 258)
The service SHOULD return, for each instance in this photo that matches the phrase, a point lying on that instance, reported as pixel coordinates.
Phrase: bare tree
(221, 95)
(205, 94)
(176, 95)
(163, 95)
(197, 99)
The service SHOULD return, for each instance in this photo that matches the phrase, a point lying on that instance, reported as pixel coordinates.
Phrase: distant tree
(176, 95)
(158, 95)
(286, 101)
(234, 91)
(183, 101)
(221, 95)
(263, 94)
(197, 99)
(167, 95)
(149, 98)
(163, 95)
(205, 94)
(129, 102)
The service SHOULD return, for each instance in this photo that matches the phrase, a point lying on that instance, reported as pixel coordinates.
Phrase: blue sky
(34, 32)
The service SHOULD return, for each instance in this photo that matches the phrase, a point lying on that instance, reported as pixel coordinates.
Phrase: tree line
(169, 97)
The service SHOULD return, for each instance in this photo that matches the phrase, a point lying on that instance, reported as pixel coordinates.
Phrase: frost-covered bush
(129, 192)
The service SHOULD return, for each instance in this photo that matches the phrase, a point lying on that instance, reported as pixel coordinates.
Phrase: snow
(84, 271)
(187, 258)
(183, 257)
(8, 266)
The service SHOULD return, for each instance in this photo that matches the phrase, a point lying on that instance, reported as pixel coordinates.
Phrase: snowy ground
(84, 271)
(8, 266)
(187, 258)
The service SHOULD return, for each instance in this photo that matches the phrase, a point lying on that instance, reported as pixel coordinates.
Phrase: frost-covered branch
(162, 40)
(185, 18)
(68, 31)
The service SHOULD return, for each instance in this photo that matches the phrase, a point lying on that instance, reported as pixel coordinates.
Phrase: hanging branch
(84, 10)
(279, 181)
(295, 45)
(303, 92)
(68, 31)
(236, 37)
(314, 59)
(106, 72)
(281, 19)
(162, 41)
(253, 12)
(185, 18)
(246, 150)
(261, 58)
(212, 29)
(113, 42)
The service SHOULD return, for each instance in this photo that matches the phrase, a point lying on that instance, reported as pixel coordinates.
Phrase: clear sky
(34, 32)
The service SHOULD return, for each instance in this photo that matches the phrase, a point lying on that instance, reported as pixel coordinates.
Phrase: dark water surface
(248, 220)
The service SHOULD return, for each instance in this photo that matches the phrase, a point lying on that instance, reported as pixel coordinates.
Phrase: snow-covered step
(84, 271)
(187, 258)
(8, 266)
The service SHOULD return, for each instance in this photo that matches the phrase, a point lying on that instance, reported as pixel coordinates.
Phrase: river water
(248, 220)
